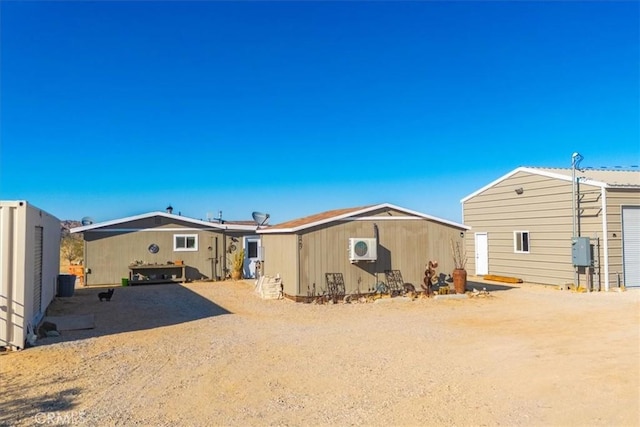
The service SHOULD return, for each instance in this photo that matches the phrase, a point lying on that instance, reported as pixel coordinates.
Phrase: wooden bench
(156, 268)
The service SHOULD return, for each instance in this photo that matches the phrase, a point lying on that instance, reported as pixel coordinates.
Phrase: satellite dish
(260, 218)
(87, 220)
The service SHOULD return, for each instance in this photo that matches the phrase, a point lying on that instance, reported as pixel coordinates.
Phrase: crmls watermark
(60, 418)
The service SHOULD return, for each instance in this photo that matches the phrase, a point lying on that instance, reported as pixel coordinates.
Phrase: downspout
(84, 261)
(224, 257)
(212, 252)
(605, 233)
(298, 267)
(376, 234)
(217, 261)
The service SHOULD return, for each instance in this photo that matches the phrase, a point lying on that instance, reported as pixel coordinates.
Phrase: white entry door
(482, 254)
(252, 255)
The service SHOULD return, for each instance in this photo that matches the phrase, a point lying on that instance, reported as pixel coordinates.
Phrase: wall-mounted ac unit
(363, 249)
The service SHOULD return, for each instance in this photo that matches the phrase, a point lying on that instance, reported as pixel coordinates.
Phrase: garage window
(185, 242)
(521, 242)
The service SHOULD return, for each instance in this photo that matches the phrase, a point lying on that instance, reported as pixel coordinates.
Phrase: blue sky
(111, 109)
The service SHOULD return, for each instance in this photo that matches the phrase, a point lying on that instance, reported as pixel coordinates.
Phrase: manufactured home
(161, 247)
(29, 268)
(360, 244)
(542, 226)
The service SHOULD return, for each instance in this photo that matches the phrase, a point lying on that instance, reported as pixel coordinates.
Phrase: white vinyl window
(185, 242)
(521, 242)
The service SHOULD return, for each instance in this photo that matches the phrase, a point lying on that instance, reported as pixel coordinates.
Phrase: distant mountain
(67, 225)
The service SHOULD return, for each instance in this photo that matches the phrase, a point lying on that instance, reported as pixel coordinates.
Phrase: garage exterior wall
(110, 250)
(544, 209)
(19, 282)
(405, 243)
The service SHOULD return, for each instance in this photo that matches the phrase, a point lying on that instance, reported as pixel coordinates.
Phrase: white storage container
(29, 267)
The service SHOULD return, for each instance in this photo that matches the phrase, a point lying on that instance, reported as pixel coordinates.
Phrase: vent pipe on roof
(169, 209)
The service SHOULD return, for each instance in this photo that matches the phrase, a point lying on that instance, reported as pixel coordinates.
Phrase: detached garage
(29, 266)
(360, 243)
(523, 226)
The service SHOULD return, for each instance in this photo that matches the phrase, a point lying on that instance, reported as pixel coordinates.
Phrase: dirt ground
(215, 354)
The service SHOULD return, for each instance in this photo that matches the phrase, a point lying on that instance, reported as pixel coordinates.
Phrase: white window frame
(518, 240)
(185, 249)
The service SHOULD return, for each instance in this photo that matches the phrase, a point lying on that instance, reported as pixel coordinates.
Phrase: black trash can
(66, 285)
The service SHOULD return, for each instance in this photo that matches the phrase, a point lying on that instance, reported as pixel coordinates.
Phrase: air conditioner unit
(363, 249)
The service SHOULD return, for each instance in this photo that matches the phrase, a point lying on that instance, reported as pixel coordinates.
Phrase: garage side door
(631, 245)
(482, 254)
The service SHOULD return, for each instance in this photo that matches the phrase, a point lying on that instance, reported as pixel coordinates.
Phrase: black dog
(106, 295)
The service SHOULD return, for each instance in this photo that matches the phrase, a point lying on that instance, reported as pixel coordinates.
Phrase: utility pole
(576, 158)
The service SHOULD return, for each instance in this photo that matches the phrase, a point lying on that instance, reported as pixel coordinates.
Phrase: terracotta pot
(460, 281)
(236, 274)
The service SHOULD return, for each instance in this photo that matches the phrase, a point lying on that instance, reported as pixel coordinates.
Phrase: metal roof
(346, 213)
(605, 178)
(601, 177)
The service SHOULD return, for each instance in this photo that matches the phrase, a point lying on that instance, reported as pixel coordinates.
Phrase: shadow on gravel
(132, 308)
(491, 287)
(58, 407)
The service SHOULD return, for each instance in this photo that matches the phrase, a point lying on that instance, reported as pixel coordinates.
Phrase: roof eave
(359, 212)
(622, 187)
(534, 171)
(230, 227)
(322, 221)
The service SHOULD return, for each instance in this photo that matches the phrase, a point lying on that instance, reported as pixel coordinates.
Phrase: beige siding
(616, 198)
(404, 244)
(544, 209)
(407, 241)
(110, 251)
(280, 254)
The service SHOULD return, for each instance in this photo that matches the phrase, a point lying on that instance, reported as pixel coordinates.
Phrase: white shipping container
(29, 268)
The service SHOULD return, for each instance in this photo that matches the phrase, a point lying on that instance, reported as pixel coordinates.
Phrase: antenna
(260, 218)
(576, 158)
(87, 220)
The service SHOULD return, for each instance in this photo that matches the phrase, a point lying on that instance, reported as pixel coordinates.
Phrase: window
(252, 249)
(185, 242)
(521, 242)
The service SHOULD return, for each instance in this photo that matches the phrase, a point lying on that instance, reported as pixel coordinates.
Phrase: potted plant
(459, 264)
(237, 265)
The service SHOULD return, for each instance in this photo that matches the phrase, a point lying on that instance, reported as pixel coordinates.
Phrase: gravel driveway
(209, 354)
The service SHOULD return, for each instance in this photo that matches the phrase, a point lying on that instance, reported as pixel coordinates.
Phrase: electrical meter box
(581, 252)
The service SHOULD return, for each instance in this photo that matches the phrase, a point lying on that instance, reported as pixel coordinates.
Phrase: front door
(482, 254)
(252, 255)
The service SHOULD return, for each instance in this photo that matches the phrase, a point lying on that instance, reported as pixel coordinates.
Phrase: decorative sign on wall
(153, 248)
